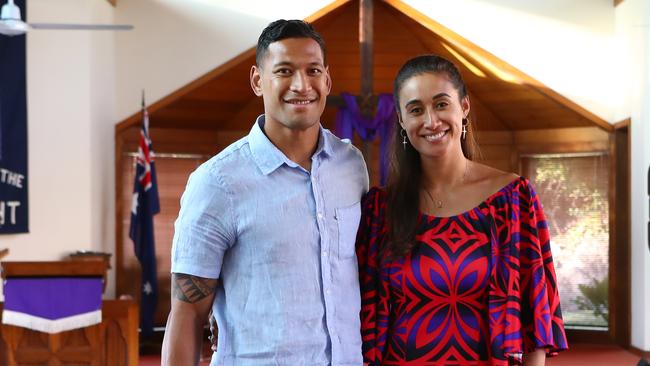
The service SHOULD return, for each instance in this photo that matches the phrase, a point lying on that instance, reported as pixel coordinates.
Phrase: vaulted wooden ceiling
(503, 98)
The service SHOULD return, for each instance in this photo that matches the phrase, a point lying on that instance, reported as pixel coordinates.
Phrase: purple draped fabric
(53, 298)
(53, 305)
(349, 120)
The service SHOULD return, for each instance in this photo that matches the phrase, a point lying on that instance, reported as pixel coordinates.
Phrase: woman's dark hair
(405, 178)
(283, 29)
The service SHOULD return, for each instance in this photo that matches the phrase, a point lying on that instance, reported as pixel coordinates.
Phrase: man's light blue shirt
(282, 241)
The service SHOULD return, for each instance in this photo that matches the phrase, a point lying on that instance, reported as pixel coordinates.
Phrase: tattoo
(191, 289)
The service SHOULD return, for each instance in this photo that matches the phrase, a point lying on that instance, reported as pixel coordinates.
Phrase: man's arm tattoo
(191, 289)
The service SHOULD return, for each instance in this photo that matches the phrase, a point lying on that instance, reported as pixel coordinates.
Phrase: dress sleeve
(374, 290)
(541, 316)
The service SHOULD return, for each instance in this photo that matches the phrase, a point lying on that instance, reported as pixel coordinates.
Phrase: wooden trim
(95, 268)
(618, 2)
(588, 336)
(113, 2)
(119, 243)
(639, 352)
(135, 118)
(622, 124)
(325, 10)
(619, 238)
(470, 48)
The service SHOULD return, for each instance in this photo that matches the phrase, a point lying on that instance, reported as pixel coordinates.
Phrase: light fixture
(11, 23)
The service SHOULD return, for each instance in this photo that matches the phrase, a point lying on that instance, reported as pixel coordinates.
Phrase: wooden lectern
(113, 342)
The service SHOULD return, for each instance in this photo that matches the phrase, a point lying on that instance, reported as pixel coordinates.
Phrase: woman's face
(431, 112)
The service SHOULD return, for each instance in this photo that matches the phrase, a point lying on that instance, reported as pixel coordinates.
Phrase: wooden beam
(495, 64)
(366, 46)
(619, 235)
(325, 10)
(622, 124)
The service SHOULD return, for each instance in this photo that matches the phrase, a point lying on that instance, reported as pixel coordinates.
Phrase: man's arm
(191, 301)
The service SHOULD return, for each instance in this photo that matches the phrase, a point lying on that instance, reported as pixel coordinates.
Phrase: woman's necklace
(438, 203)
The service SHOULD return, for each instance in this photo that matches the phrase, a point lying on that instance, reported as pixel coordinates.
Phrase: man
(266, 232)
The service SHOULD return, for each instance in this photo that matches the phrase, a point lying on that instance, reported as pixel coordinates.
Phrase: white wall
(175, 42)
(566, 45)
(102, 95)
(633, 27)
(70, 96)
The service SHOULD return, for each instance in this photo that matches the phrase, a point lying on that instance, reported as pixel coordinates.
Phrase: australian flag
(145, 205)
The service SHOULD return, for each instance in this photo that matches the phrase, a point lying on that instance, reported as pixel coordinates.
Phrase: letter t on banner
(145, 205)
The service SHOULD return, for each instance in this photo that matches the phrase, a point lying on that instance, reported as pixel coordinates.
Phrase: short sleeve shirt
(282, 241)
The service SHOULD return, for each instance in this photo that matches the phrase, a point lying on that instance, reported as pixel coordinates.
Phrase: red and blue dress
(478, 288)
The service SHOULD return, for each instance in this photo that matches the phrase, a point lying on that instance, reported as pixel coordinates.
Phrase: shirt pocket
(347, 220)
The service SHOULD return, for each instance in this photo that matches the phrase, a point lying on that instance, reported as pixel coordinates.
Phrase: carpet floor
(579, 354)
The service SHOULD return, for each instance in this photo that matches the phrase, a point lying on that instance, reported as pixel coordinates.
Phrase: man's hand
(214, 333)
(192, 298)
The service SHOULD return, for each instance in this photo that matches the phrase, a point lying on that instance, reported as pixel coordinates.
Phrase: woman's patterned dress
(479, 288)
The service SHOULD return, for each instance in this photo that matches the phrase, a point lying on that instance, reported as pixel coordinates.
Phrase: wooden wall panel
(496, 149)
(561, 140)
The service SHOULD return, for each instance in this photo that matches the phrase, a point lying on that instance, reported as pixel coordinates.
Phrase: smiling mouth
(436, 136)
(300, 101)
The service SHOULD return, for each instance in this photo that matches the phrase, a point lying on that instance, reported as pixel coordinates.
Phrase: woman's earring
(465, 123)
(403, 134)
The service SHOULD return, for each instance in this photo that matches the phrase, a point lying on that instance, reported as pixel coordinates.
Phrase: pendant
(439, 204)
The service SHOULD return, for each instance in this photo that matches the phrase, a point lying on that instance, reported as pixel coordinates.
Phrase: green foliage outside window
(573, 191)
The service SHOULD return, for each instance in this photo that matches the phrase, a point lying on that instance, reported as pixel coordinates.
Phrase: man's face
(294, 83)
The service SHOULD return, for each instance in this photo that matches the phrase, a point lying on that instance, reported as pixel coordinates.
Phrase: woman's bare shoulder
(490, 179)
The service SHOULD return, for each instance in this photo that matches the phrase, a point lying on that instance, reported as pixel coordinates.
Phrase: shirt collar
(269, 158)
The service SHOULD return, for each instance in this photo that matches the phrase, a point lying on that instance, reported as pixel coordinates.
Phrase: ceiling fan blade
(57, 26)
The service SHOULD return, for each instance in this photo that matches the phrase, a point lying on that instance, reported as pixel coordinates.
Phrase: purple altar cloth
(52, 305)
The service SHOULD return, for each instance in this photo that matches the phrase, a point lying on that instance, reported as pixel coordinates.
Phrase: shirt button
(324, 254)
(327, 291)
(320, 215)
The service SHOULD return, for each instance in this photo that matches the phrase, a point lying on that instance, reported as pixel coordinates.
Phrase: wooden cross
(366, 100)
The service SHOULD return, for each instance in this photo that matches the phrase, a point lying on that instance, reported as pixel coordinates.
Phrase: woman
(454, 256)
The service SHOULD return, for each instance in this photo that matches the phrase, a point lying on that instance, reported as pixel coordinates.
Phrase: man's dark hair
(283, 29)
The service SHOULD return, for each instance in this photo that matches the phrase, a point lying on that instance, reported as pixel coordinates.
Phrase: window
(573, 189)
